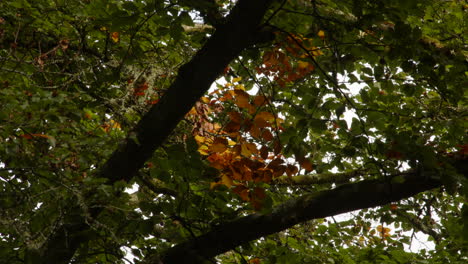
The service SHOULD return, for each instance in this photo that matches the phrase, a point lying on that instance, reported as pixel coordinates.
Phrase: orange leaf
(115, 36)
(254, 261)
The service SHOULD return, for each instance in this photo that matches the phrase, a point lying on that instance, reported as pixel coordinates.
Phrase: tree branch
(346, 198)
(321, 178)
(193, 80)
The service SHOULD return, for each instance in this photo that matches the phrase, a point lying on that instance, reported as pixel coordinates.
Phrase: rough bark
(193, 80)
(343, 199)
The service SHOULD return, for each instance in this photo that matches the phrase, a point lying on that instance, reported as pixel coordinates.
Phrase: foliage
(318, 97)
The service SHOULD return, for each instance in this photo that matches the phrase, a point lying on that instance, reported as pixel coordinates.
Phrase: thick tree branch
(193, 80)
(323, 178)
(343, 199)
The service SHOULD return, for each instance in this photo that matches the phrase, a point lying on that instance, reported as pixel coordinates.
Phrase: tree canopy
(114, 146)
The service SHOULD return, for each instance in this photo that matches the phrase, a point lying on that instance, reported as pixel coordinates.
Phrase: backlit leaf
(242, 99)
(219, 145)
(226, 181)
(115, 36)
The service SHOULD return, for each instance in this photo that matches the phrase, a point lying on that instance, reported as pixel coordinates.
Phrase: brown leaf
(243, 192)
(219, 145)
(264, 152)
(306, 164)
(232, 127)
(258, 195)
(255, 131)
(235, 116)
(242, 99)
(260, 122)
(291, 170)
(266, 116)
(277, 147)
(260, 100)
(266, 135)
(275, 163)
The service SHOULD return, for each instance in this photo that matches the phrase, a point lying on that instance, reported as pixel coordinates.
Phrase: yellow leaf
(199, 139)
(114, 124)
(236, 79)
(321, 34)
(192, 111)
(317, 52)
(205, 100)
(226, 181)
(302, 65)
(247, 149)
(240, 87)
(266, 116)
(203, 150)
(214, 184)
